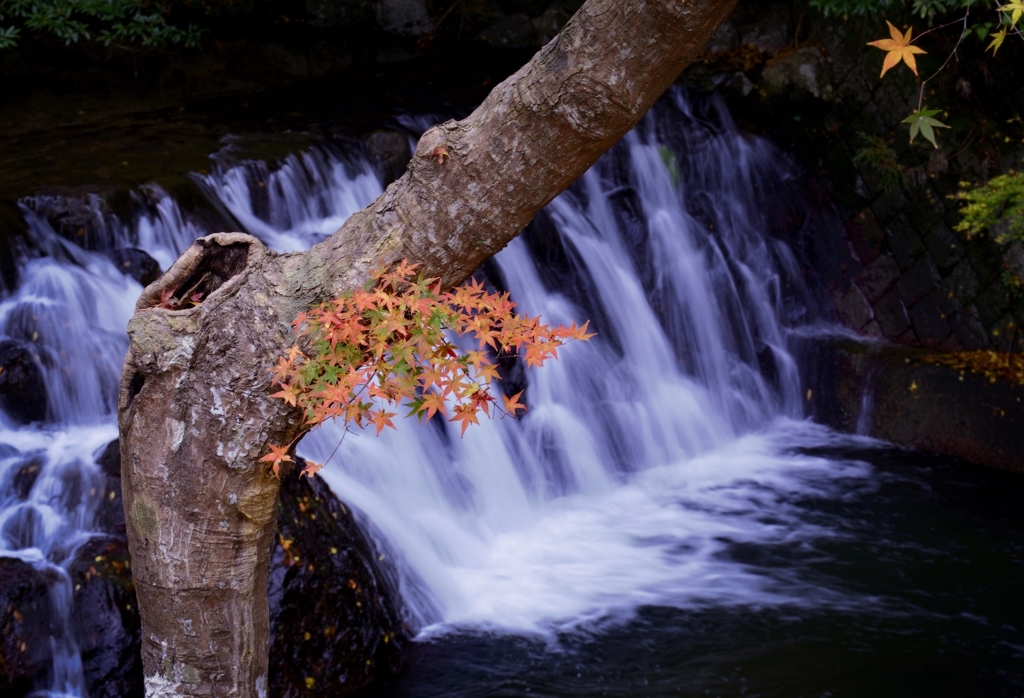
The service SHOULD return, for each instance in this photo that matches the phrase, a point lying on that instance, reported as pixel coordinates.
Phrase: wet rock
(514, 31)
(929, 323)
(390, 153)
(1004, 335)
(14, 243)
(726, 38)
(1013, 258)
(26, 658)
(891, 315)
(959, 288)
(992, 302)
(110, 514)
(477, 14)
(22, 389)
(878, 277)
(943, 246)
(805, 70)
(335, 625)
(770, 33)
(105, 619)
(549, 24)
(916, 404)
(84, 216)
(331, 14)
(24, 475)
(968, 329)
(335, 622)
(918, 281)
(905, 244)
(403, 17)
(866, 236)
(134, 263)
(851, 305)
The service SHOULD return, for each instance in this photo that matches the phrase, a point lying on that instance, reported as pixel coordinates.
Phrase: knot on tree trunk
(209, 264)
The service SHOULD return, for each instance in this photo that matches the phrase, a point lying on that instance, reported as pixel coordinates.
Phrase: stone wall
(894, 267)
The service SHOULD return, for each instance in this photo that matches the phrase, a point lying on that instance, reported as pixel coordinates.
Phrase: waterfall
(643, 451)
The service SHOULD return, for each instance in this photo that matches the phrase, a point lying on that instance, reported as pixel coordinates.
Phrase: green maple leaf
(923, 122)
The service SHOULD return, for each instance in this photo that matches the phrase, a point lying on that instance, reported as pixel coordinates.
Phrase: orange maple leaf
(466, 415)
(433, 402)
(512, 403)
(312, 468)
(277, 455)
(382, 419)
(898, 48)
(289, 395)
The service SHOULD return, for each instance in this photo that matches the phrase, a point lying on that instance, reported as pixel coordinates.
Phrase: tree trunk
(195, 411)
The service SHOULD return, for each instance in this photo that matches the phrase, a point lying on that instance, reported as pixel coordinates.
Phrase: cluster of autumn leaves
(392, 344)
(899, 47)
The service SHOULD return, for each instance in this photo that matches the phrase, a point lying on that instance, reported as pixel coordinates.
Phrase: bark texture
(195, 411)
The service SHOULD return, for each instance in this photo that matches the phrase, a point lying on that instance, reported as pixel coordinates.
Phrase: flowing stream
(662, 521)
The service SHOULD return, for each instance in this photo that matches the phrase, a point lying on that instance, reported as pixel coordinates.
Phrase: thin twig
(963, 20)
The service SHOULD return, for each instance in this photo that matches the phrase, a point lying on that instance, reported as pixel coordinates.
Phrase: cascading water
(648, 456)
(644, 449)
(569, 513)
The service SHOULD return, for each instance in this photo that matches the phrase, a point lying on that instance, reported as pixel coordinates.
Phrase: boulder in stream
(403, 17)
(22, 389)
(26, 660)
(105, 618)
(335, 623)
(135, 263)
(389, 152)
(334, 615)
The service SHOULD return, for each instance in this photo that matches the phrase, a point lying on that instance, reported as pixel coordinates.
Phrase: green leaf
(923, 122)
(982, 30)
(671, 163)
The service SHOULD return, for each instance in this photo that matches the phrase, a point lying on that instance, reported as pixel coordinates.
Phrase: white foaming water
(645, 454)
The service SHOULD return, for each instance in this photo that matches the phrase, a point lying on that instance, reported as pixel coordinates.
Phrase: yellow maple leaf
(897, 48)
(997, 40)
(1015, 9)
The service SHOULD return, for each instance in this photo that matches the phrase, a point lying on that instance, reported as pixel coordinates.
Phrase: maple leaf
(1015, 9)
(480, 399)
(580, 333)
(277, 455)
(167, 299)
(466, 415)
(433, 402)
(290, 394)
(440, 152)
(997, 40)
(382, 419)
(405, 269)
(512, 403)
(897, 48)
(312, 468)
(923, 123)
(390, 342)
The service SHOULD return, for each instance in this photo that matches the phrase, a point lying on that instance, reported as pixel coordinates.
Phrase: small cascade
(644, 450)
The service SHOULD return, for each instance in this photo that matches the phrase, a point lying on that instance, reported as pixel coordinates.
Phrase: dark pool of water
(925, 589)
